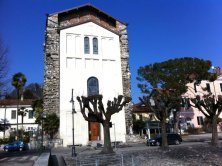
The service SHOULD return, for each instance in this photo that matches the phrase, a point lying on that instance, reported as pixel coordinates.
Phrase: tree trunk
(107, 142)
(214, 140)
(176, 122)
(163, 133)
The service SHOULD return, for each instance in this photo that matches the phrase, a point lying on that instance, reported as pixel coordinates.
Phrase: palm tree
(22, 112)
(18, 81)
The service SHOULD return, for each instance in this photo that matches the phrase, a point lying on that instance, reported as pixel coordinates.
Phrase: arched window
(86, 45)
(92, 86)
(95, 45)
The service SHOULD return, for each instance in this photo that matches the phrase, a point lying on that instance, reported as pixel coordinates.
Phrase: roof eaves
(85, 5)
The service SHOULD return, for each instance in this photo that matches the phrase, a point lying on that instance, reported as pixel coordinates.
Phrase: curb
(43, 159)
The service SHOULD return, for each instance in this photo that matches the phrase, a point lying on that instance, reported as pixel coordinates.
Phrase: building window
(95, 45)
(221, 87)
(208, 87)
(86, 45)
(13, 114)
(195, 87)
(92, 86)
(200, 120)
(31, 114)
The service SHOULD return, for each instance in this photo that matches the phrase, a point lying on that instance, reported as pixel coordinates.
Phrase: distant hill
(31, 91)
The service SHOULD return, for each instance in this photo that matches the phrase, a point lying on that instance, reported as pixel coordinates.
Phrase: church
(86, 50)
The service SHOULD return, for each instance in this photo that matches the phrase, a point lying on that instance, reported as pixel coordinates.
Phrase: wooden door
(94, 131)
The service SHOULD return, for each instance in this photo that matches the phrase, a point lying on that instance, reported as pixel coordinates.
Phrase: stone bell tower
(83, 44)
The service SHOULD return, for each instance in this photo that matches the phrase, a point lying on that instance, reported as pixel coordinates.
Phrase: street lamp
(73, 112)
(43, 117)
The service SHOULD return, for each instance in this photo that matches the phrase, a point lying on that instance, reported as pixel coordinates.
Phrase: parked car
(16, 145)
(172, 139)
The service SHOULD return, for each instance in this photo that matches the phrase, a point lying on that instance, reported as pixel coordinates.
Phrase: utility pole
(73, 112)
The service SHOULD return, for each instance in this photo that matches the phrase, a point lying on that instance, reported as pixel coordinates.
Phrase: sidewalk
(200, 137)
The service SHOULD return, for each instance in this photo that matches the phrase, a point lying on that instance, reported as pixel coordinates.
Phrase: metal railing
(108, 160)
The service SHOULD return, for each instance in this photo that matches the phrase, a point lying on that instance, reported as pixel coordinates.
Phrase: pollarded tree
(211, 107)
(93, 110)
(209, 104)
(165, 82)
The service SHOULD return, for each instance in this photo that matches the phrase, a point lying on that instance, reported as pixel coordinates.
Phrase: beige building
(192, 115)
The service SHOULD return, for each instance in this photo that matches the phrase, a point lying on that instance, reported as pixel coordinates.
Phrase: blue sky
(158, 30)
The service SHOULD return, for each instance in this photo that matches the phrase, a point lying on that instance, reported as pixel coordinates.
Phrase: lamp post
(73, 112)
(43, 117)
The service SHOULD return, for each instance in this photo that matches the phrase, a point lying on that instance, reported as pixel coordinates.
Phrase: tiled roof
(139, 108)
(8, 102)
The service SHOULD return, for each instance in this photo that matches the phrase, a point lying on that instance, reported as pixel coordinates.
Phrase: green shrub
(192, 130)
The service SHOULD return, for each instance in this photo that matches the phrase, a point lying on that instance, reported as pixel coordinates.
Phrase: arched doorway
(94, 127)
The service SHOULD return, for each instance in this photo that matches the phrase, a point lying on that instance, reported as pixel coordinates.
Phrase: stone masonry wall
(126, 77)
(51, 61)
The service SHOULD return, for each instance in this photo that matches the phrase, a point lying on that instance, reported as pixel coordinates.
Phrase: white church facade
(86, 50)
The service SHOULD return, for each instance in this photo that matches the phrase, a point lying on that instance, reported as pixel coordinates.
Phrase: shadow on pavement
(57, 160)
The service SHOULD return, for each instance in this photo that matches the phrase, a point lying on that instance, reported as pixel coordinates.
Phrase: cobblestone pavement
(193, 155)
